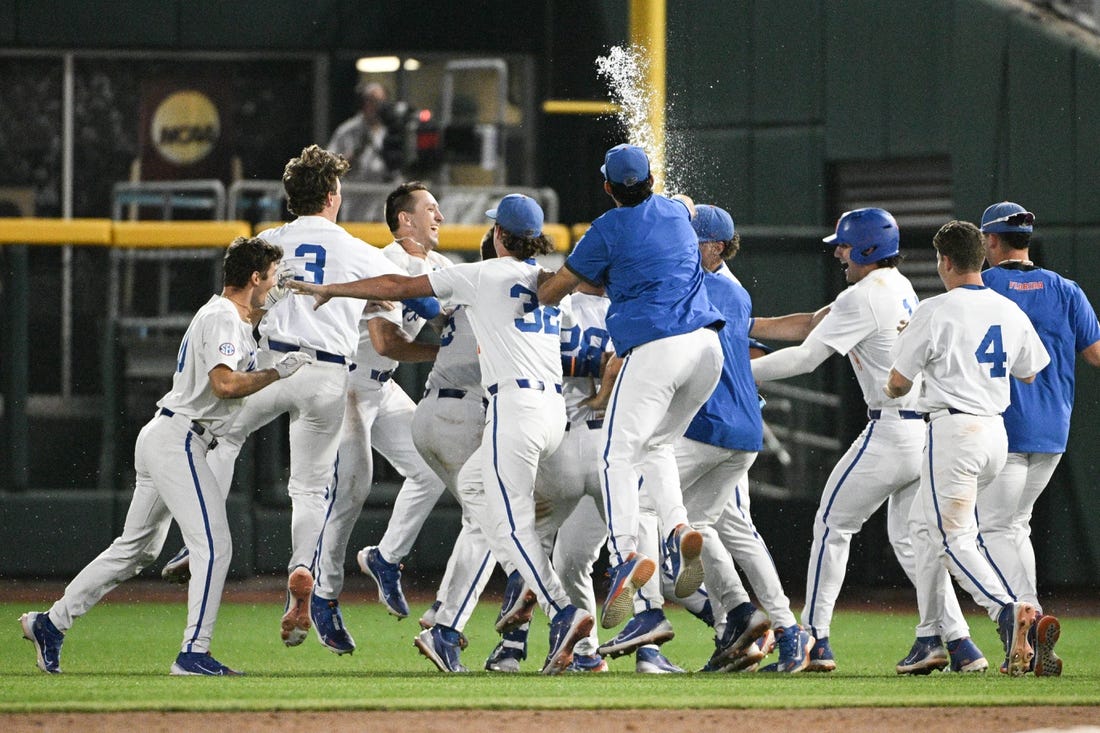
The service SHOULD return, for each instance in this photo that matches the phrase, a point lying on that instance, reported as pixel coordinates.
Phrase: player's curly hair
(401, 199)
(310, 178)
(632, 195)
(525, 247)
(962, 242)
(730, 247)
(246, 256)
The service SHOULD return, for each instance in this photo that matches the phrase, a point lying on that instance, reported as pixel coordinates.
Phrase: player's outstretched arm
(383, 287)
(554, 287)
(230, 384)
(791, 361)
(792, 327)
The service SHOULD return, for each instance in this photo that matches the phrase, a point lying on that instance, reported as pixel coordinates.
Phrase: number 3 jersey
(517, 338)
(967, 342)
(321, 251)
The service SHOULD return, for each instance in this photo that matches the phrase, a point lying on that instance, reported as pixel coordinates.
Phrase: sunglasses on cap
(1019, 219)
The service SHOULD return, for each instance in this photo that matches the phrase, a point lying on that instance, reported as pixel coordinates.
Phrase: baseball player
(319, 250)
(965, 343)
(379, 417)
(525, 420)
(216, 368)
(1037, 418)
(883, 463)
(645, 253)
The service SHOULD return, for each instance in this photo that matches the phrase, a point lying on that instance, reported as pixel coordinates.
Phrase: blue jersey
(647, 257)
(1037, 420)
(731, 417)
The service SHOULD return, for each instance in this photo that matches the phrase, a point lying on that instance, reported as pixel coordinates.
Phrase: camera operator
(373, 141)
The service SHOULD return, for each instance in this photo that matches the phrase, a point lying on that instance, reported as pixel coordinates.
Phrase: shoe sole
(978, 665)
(928, 665)
(27, 622)
(423, 642)
(179, 574)
(752, 657)
(691, 564)
(296, 622)
(1020, 652)
(758, 624)
(1047, 632)
(519, 614)
(361, 560)
(560, 659)
(658, 635)
(619, 605)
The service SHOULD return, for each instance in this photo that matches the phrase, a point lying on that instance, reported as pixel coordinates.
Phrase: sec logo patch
(228, 349)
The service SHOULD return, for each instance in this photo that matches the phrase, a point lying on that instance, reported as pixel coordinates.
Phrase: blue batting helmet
(872, 234)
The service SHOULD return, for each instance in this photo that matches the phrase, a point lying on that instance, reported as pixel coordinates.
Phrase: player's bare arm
(391, 341)
(792, 327)
(230, 384)
(383, 287)
(1091, 354)
(898, 385)
(552, 288)
(611, 366)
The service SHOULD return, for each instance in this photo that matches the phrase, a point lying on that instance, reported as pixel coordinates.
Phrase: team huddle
(610, 403)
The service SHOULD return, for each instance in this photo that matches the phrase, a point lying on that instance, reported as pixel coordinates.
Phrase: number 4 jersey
(321, 251)
(517, 338)
(966, 343)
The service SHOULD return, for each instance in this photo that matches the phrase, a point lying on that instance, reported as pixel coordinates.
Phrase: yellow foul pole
(647, 30)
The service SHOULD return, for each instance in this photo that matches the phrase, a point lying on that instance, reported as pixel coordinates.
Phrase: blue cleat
(569, 626)
(794, 644)
(1047, 631)
(387, 576)
(201, 664)
(928, 655)
(441, 645)
(626, 579)
(1013, 623)
(649, 660)
(517, 606)
(509, 652)
(588, 663)
(966, 656)
(329, 623)
(684, 549)
(47, 640)
(744, 625)
(648, 627)
(178, 569)
(821, 657)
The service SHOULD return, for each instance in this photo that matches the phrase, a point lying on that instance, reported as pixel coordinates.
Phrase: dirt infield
(846, 720)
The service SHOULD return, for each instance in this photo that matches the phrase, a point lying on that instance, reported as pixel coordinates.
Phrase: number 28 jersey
(516, 337)
(967, 342)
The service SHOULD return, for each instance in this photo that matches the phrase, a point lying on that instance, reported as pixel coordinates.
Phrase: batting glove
(291, 363)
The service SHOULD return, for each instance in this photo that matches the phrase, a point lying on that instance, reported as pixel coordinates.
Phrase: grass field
(117, 659)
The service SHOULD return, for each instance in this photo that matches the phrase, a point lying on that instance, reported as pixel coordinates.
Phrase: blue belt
(382, 377)
(526, 384)
(454, 394)
(285, 348)
(596, 424)
(196, 428)
(903, 414)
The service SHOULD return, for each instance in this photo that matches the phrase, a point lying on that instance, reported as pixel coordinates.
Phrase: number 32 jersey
(967, 342)
(516, 337)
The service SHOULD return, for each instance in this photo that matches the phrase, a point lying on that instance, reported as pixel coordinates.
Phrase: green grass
(117, 658)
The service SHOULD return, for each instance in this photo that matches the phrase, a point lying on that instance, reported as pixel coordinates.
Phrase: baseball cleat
(794, 645)
(752, 656)
(570, 625)
(588, 663)
(296, 623)
(966, 656)
(1047, 631)
(685, 549)
(821, 657)
(440, 645)
(649, 660)
(648, 627)
(626, 579)
(178, 569)
(201, 664)
(927, 655)
(47, 640)
(518, 604)
(329, 623)
(387, 576)
(1014, 623)
(508, 653)
(744, 625)
(427, 620)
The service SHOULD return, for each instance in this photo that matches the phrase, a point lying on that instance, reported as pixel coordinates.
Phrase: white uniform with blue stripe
(174, 481)
(966, 343)
(519, 353)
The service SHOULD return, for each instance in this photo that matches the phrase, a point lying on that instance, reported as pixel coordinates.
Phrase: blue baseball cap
(625, 164)
(712, 224)
(1007, 217)
(518, 214)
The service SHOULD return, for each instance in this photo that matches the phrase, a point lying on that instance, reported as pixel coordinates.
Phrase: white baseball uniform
(965, 343)
(882, 464)
(174, 481)
(319, 251)
(379, 416)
